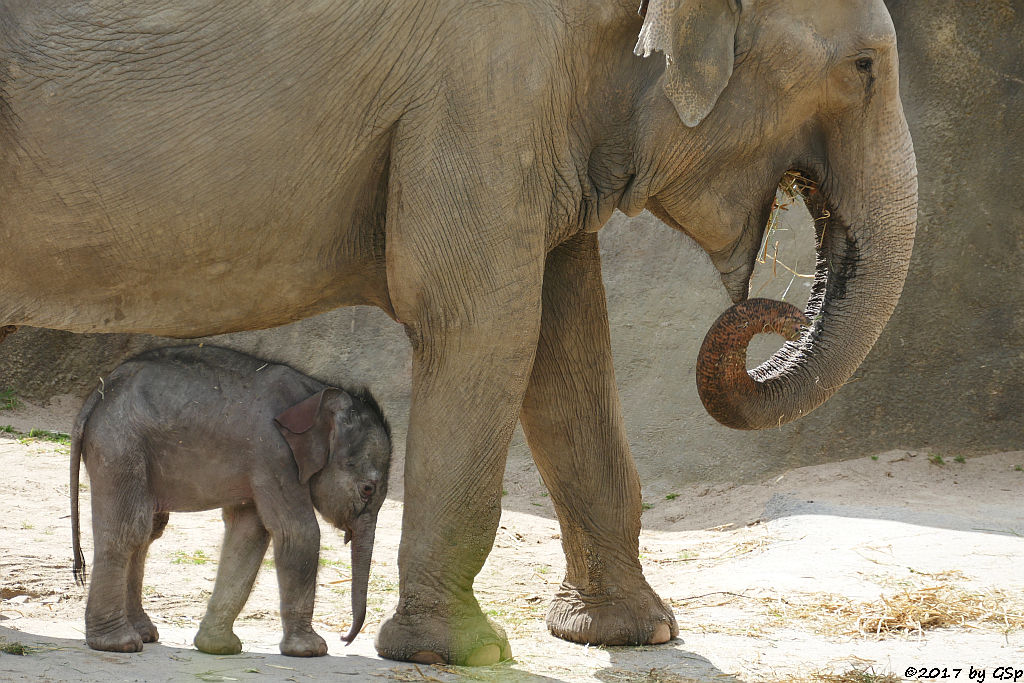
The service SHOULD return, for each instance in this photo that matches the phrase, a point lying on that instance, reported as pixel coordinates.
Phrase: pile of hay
(851, 676)
(906, 612)
(937, 607)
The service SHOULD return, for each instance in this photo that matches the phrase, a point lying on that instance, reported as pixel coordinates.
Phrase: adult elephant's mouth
(736, 264)
(859, 274)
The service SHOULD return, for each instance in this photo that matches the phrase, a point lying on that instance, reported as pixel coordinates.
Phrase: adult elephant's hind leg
(573, 422)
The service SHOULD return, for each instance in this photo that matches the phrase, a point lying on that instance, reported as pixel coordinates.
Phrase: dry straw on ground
(906, 612)
(851, 676)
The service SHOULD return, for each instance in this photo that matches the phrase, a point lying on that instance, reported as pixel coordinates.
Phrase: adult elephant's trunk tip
(723, 383)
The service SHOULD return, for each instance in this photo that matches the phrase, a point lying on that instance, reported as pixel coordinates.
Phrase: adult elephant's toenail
(484, 656)
(662, 634)
(427, 657)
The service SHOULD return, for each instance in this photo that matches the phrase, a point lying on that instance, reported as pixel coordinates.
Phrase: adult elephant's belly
(189, 250)
(206, 288)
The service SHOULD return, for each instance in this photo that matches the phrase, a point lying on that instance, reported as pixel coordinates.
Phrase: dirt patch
(776, 581)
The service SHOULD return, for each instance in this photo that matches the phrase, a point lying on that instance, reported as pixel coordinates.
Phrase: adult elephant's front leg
(469, 294)
(573, 422)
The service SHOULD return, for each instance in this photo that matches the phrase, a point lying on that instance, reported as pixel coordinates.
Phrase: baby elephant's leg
(245, 544)
(296, 535)
(122, 526)
(136, 569)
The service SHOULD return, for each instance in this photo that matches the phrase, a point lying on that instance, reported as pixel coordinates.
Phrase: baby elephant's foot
(304, 644)
(121, 639)
(217, 642)
(145, 628)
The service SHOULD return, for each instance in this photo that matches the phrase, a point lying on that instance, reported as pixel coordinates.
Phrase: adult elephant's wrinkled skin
(178, 169)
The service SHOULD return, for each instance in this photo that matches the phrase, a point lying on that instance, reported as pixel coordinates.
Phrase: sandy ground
(767, 581)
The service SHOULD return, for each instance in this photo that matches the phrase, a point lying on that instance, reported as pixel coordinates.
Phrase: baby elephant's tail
(76, 460)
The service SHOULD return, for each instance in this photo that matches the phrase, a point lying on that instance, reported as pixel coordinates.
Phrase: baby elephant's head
(341, 443)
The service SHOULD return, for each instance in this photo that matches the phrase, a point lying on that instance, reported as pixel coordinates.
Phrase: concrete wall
(947, 374)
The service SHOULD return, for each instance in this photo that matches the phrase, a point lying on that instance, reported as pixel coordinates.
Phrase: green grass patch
(672, 496)
(59, 438)
(14, 648)
(936, 459)
(8, 401)
(380, 585)
(47, 435)
(327, 562)
(960, 459)
(515, 614)
(194, 557)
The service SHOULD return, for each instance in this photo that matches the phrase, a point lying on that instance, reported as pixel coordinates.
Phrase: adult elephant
(185, 169)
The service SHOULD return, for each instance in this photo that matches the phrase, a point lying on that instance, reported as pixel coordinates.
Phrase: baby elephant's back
(194, 397)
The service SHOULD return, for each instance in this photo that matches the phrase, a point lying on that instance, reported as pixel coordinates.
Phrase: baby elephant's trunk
(362, 551)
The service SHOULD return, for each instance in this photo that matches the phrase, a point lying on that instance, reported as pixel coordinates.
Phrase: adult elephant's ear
(697, 37)
(305, 427)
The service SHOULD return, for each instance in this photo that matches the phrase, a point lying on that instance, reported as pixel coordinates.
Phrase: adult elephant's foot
(639, 618)
(215, 641)
(466, 638)
(123, 638)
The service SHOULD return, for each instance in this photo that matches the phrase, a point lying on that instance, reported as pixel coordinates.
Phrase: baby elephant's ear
(307, 433)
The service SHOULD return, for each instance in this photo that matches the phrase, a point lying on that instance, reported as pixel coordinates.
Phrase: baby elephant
(195, 428)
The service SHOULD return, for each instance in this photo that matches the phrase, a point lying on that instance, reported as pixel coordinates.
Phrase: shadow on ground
(669, 663)
(62, 659)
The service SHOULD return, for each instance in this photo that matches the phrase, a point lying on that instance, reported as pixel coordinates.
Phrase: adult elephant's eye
(865, 64)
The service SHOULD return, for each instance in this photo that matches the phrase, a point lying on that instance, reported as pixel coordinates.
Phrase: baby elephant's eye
(865, 64)
(366, 489)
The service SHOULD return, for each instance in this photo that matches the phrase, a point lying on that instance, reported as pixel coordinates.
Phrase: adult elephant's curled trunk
(363, 531)
(722, 377)
(859, 276)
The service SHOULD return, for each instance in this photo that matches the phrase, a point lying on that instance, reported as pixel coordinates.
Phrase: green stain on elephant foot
(484, 656)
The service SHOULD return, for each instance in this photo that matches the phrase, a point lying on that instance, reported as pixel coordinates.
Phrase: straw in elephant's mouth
(794, 186)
